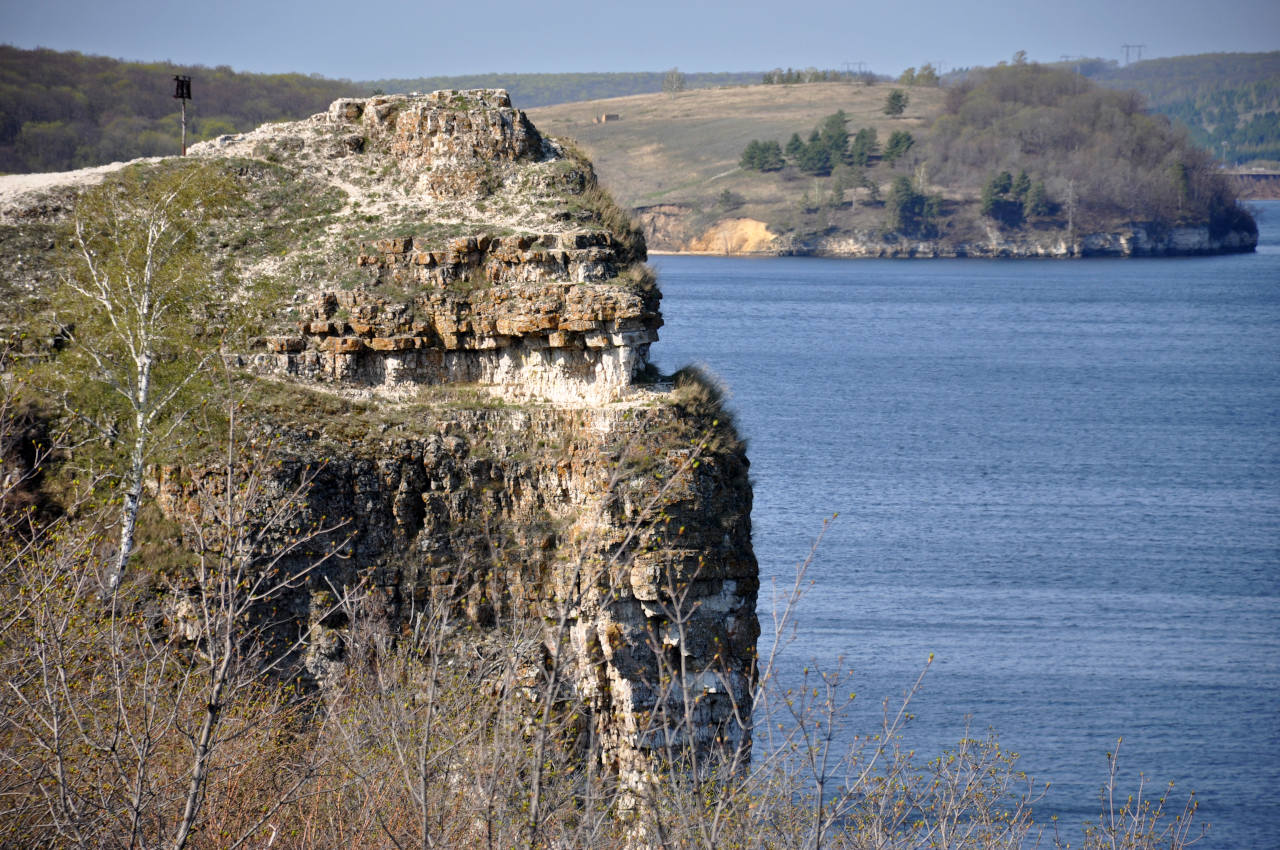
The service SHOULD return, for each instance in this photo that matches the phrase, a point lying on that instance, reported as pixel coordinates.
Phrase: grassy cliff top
(685, 147)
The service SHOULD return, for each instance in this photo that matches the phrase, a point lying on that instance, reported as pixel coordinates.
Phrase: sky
(384, 39)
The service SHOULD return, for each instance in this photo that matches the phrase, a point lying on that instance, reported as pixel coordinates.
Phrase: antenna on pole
(182, 92)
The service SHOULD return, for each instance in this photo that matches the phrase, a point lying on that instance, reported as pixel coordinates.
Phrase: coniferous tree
(910, 212)
(900, 141)
(896, 103)
(996, 203)
(815, 158)
(833, 134)
(1020, 187)
(761, 156)
(864, 147)
(1037, 202)
(771, 156)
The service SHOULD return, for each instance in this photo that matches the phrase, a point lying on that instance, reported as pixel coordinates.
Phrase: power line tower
(1127, 47)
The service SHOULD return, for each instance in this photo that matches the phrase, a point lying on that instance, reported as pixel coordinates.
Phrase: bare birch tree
(136, 276)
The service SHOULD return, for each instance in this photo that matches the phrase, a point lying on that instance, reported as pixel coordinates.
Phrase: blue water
(1061, 477)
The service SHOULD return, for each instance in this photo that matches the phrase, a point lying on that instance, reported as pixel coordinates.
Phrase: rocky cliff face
(461, 329)
(620, 505)
(542, 323)
(634, 519)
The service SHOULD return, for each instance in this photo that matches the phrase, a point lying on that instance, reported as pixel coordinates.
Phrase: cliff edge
(454, 360)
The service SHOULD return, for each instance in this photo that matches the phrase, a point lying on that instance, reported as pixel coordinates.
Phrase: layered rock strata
(1137, 240)
(534, 317)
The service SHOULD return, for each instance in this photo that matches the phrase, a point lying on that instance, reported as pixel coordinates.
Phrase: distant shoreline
(1129, 242)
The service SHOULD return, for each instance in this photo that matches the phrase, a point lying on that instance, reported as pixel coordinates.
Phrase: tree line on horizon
(61, 110)
(1229, 102)
(529, 91)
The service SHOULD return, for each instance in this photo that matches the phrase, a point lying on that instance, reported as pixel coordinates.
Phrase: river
(1060, 477)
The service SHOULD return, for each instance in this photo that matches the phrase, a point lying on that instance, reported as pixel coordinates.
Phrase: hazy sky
(395, 38)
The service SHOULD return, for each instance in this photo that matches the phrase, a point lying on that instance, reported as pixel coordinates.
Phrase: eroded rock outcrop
(504, 269)
(455, 363)
(533, 317)
(1136, 240)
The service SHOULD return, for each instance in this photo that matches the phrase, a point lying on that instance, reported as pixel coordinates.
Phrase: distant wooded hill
(1023, 149)
(1230, 102)
(61, 110)
(64, 110)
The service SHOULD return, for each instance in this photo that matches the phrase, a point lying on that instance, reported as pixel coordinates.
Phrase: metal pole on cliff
(183, 94)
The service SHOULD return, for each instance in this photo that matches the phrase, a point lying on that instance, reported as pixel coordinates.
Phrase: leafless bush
(128, 712)
(184, 718)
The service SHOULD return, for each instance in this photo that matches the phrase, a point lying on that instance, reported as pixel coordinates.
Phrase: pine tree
(815, 158)
(896, 103)
(1037, 202)
(833, 134)
(1020, 187)
(911, 212)
(863, 148)
(771, 156)
(900, 141)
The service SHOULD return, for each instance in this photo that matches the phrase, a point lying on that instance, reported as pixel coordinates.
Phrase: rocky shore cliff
(456, 363)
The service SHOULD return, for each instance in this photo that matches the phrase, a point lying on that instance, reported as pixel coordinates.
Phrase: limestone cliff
(1134, 240)
(459, 344)
(737, 236)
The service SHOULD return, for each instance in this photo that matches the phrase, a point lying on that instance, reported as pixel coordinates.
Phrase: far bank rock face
(668, 229)
(1136, 240)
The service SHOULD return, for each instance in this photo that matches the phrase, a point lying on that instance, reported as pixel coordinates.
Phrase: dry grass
(685, 149)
